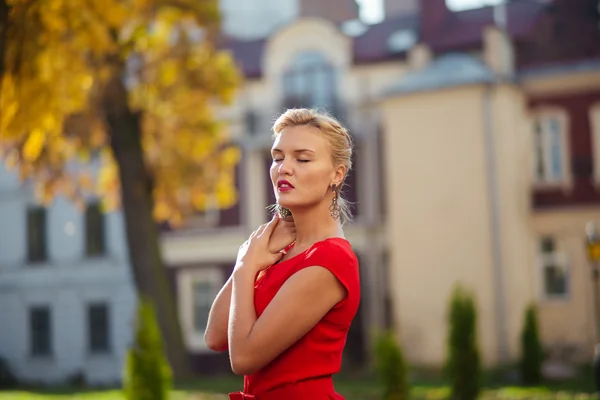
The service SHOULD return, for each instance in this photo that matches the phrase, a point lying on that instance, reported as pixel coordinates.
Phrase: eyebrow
(295, 151)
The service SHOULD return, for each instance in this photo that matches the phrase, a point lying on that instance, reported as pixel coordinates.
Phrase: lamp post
(593, 252)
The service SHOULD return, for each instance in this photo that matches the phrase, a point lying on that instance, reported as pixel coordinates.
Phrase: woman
(285, 312)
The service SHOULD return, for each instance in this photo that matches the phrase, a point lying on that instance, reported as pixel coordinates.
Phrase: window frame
(30, 212)
(549, 182)
(187, 278)
(90, 348)
(33, 353)
(555, 258)
(103, 250)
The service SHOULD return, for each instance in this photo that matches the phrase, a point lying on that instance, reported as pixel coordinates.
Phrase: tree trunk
(4, 8)
(142, 232)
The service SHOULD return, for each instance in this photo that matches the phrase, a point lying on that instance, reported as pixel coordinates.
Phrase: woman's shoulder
(332, 251)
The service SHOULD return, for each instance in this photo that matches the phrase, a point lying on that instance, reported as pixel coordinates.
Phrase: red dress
(304, 371)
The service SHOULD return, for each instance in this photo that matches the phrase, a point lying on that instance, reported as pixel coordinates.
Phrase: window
(203, 298)
(310, 82)
(40, 331)
(36, 234)
(196, 291)
(595, 132)
(251, 122)
(98, 322)
(554, 269)
(550, 144)
(94, 230)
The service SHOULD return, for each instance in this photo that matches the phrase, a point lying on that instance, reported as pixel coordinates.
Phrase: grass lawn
(353, 388)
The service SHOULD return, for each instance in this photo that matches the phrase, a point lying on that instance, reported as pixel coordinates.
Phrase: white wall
(66, 283)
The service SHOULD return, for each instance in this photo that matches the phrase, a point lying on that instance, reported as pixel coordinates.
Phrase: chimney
(433, 14)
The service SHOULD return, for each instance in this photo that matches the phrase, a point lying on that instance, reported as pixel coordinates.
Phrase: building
(476, 139)
(66, 296)
(492, 158)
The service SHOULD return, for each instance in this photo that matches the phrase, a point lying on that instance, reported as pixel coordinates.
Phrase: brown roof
(464, 29)
(458, 31)
(372, 46)
(248, 55)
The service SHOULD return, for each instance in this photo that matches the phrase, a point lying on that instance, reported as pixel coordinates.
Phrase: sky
(372, 10)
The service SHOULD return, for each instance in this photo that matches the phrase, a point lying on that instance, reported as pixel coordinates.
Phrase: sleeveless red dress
(304, 371)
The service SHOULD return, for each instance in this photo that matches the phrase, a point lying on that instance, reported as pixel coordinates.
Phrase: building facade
(494, 140)
(66, 296)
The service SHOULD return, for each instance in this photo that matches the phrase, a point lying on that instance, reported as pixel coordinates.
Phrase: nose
(284, 167)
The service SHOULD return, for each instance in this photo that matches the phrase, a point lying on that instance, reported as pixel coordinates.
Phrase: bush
(463, 367)
(532, 354)
(147, 373)
(392, 368)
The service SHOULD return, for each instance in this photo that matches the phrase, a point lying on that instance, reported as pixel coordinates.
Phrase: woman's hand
(254, 254)
(283, 235)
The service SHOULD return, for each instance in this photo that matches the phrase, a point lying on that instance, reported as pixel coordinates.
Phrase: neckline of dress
(293, 244)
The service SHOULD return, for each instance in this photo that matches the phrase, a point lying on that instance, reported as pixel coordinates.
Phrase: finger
(276, 257)
(259, 230)
(268, 230)
(271, 225)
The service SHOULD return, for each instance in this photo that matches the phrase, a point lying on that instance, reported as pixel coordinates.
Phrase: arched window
(310, 81)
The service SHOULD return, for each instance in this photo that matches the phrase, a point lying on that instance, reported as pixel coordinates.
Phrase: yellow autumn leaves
(60, 55)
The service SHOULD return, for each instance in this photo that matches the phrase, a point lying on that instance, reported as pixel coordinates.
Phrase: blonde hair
(339, 139)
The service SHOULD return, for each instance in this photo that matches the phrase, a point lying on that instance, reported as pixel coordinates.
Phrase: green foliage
(147, 372)
(463, 365)
(392, 367)
(532, 354)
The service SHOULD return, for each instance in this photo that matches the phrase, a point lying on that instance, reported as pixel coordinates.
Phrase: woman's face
(302, 170)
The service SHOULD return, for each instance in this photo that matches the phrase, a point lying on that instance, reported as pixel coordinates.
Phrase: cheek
(273, 172)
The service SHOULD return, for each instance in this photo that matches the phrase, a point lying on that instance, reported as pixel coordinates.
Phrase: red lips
(284, 186)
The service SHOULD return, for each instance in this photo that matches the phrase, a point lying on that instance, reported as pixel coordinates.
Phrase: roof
(560, 68)
(248, 55)
(372, 46)
(450, 70)
(464, 29)
(459, 31)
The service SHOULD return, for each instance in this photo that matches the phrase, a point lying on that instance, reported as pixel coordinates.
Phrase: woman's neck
(314, 224)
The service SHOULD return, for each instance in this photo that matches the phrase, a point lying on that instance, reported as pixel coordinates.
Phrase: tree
(532, 353)
(463, 362)
(139, 83)
(392, 367)
(147, 374)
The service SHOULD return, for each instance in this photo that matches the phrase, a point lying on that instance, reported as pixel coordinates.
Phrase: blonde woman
(285, 312)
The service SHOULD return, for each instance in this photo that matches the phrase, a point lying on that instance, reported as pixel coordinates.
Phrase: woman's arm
(302, 301)
(215, 335)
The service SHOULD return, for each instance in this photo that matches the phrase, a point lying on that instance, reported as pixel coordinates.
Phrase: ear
(339, 175)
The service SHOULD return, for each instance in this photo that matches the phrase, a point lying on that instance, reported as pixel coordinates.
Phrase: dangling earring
(283, 212)
(334, 208)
